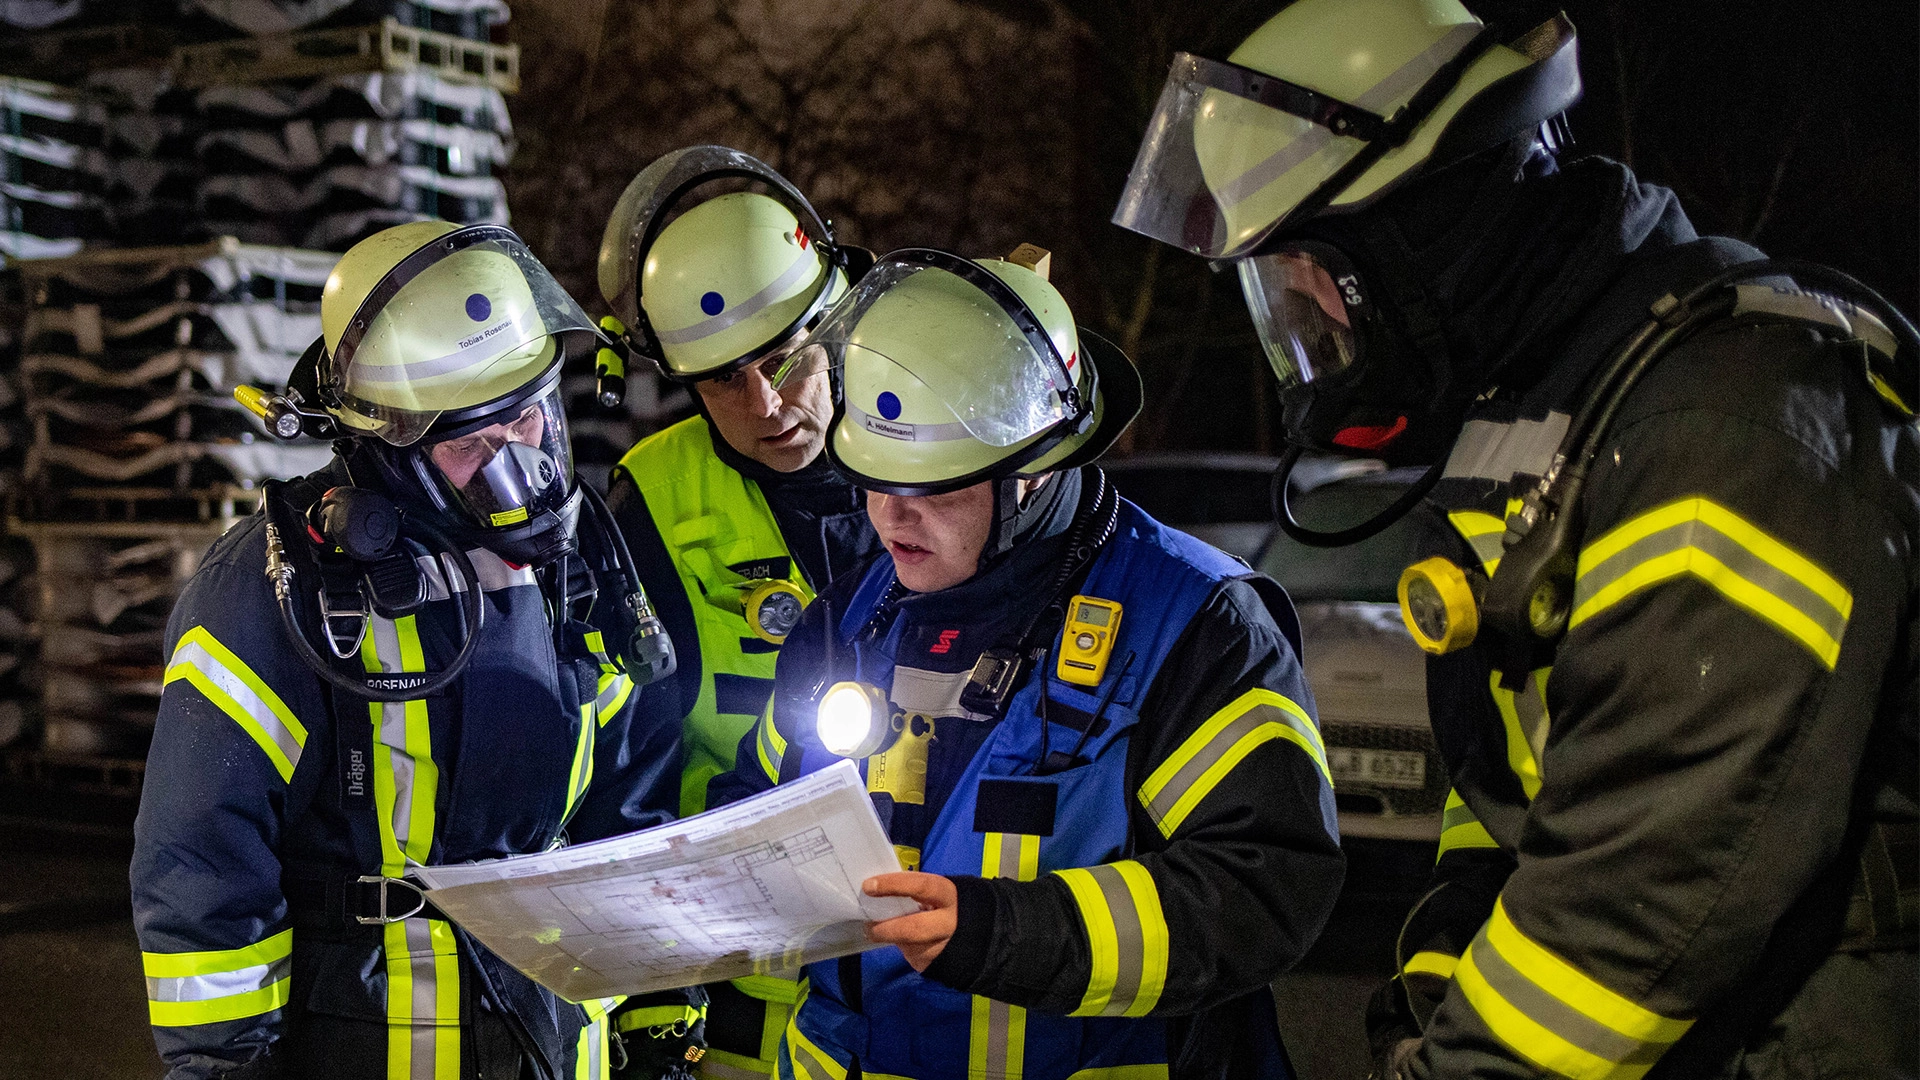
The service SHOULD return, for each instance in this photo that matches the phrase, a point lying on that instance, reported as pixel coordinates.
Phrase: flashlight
(854, 720)
(773, 609)
(1440, 606)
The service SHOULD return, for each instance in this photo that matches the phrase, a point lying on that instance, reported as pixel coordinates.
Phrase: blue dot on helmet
(713, 303)
(479, 307)
(888, 405)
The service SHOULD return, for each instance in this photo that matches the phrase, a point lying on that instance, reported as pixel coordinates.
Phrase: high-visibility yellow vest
(723, 540)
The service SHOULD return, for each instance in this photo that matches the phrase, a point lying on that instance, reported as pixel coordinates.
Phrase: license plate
(1382, 768)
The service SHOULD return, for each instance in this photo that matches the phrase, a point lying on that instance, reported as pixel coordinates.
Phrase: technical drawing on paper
(763, 885)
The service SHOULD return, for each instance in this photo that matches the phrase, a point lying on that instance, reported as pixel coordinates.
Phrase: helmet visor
(658, 193)
(468, 319)
(1229, 152)
(512, 470)
(1305, 307)
(932, 347)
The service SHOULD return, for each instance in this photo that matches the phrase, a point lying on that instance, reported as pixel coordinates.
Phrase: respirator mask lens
(510, 471)
(1308, 305)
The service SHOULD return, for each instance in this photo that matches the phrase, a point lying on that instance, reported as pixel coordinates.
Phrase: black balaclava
(1476, 270)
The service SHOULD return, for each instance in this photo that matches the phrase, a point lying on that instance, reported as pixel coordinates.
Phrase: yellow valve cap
(255, 400)
(1438, 606)
(854, 720)
(773, 609)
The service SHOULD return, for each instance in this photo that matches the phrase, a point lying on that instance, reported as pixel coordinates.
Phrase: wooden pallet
(64, 56)
(130, 511)
(77, 773)
(384, 46)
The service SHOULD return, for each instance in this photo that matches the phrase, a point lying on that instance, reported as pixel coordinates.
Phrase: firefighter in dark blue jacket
(1671, 554)
(1088, 734)
(448, 677)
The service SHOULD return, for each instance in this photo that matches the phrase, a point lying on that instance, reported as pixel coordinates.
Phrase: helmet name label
(889, 428)
(470, 342)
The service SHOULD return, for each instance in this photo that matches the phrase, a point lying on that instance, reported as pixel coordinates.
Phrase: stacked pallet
(54, 171)
(139, 457)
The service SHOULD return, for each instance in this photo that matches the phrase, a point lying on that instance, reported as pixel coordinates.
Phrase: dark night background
(976, 125)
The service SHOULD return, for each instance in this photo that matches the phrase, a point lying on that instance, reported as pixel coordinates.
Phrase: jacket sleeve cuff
(960, 964)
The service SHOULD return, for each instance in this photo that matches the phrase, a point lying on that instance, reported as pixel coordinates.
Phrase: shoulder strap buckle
(346, 625)
(381, 916)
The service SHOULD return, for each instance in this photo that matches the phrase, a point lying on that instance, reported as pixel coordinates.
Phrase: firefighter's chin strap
(280, 571)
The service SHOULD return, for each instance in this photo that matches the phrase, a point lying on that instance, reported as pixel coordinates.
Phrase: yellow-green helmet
(1329, 104)
(442, 345)
(710, 283)
(432, 319)
(954, 372)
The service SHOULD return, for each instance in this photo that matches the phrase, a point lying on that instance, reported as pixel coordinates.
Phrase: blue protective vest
(995, 821)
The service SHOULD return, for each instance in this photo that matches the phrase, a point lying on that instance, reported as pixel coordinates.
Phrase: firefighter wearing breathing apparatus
(734, 517)
(1087, 734)
(1671, 577)
(449, 677)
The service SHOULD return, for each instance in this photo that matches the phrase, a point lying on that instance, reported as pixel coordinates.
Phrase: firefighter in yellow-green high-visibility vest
(733, 516)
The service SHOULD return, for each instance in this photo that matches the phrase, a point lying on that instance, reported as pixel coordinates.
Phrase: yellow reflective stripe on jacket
(1554, 1014)
(1127, 935)
(580, 773)
(612, 692)
(1483, 533)
(997, 1039)
(774, 988)
(1523, 713)
(234, 689)
(1699, 537)
(1428, 962)
(406, 780)
(659, 1016)
(1459, 829)
(1191, 772)
(1887, 392)
(590, 1050)
(190, 988)
(809, 1061)
(768, 746)
(423, 1000)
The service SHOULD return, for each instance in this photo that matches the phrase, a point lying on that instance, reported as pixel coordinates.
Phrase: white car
(1369, 679)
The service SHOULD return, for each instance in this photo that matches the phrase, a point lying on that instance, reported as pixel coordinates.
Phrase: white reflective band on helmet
(1400, 82)
(461, 359)
(804, 265)
(905, 432)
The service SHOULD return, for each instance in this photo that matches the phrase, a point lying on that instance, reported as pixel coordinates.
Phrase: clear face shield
(1309, 307)
(931, 347)
(511, 470)
(461, 323)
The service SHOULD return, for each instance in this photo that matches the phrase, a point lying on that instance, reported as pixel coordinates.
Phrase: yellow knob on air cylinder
(1439, 605)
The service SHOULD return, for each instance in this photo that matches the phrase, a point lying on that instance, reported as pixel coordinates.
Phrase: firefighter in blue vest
(733, 516)
(1087, 734)
(425, 653)
(1669, 570)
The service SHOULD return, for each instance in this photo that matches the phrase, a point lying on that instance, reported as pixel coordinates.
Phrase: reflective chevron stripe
(1428, 962)
(1459, 829)
(406, 780)
(1127, 934)
(190, 988)
(768, 745)
(226, 681)
(997, 1041)
(1699, 537)
(423, 1000)
(1191, 772)
(580, 774)
(1483, 533)
(590, 1050)
(1523, 713)
(612, 692)
(1555, 1015)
